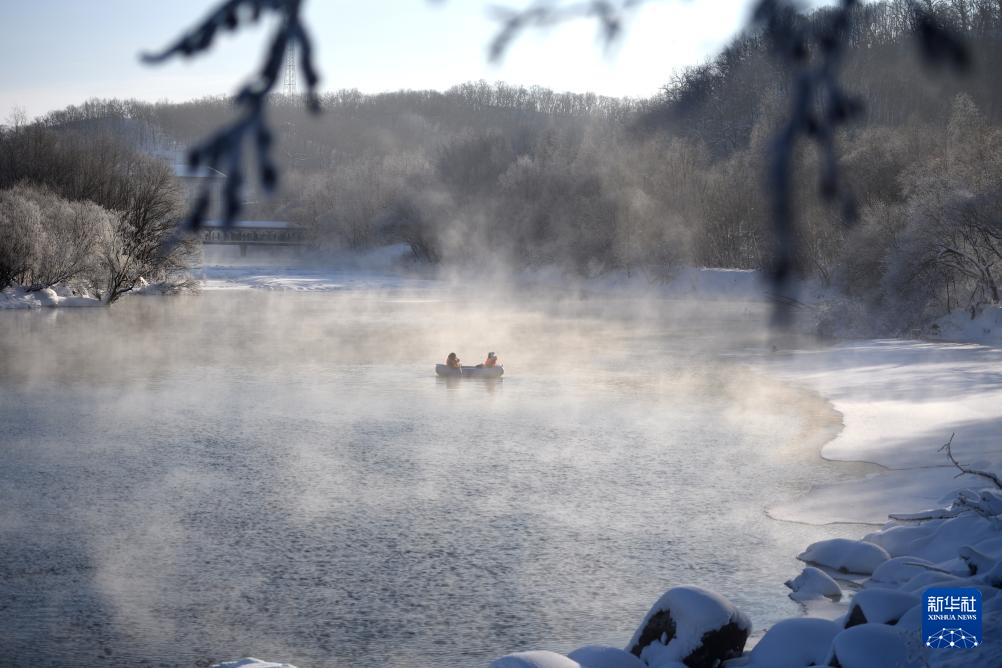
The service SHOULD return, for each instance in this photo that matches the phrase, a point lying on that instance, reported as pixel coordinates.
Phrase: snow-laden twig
(964, 470)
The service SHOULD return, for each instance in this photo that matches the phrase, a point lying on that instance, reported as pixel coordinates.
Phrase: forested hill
(720, 102)
(355, 125)
(526, 176)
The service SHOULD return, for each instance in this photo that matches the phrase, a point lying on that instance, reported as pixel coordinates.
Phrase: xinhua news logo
(951, 618)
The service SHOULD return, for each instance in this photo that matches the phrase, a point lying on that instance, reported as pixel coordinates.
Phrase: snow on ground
(388, 268)
(703, 283)
(378, 269)
(900, 402)
(299, 279)
(689, 282)
(985, 327)
(19, 298)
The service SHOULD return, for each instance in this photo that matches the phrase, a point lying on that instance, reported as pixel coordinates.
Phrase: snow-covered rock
(535, 659)
(48, 297)
(877, 646)
(251, 662)
(976, 560)
(935, 540)
(794, 643)
(880, 606)
(693, 626)
(924, 581)
(601, 656)
(813, 583)
(845, 555)
(898, 570)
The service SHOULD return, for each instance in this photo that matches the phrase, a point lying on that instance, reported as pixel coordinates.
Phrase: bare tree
(140, 243)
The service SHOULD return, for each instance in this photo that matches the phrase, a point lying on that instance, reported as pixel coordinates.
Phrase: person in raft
(491, 361)
(452, 361)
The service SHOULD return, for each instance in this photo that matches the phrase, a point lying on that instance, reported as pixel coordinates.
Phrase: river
(193, 479)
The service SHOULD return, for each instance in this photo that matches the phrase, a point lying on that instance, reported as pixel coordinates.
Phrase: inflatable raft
(469, 371)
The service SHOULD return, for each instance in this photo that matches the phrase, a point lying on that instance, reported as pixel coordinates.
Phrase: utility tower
(290, 87)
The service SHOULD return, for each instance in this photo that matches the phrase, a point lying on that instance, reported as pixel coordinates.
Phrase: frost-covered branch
(964, 470)
(224, 149)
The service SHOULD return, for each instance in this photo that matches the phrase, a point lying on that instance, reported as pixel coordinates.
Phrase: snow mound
(251, 662)
(600, 656)
(936, 540)
(899, 570)
(880, 606)
(535, 659)
(845, 555)
(877, 646)
(813, 583)
(794, 643)
(693, 626)
(58, 295)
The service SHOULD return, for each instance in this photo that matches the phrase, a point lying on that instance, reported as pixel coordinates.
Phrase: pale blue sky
(60, 52)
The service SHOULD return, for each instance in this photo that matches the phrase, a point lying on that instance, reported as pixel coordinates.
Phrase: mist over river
(247, 473)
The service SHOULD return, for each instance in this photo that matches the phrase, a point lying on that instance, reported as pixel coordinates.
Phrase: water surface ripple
(188, 480)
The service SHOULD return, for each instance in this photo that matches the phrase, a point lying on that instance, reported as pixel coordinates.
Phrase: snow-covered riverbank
(900, 402)
(19, 298)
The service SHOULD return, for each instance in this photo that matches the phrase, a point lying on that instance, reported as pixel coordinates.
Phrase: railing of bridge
(290, 236)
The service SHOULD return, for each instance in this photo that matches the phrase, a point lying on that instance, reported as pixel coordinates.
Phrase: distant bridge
(246, 233)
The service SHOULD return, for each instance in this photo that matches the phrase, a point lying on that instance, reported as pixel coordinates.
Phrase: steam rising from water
(281, 475)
